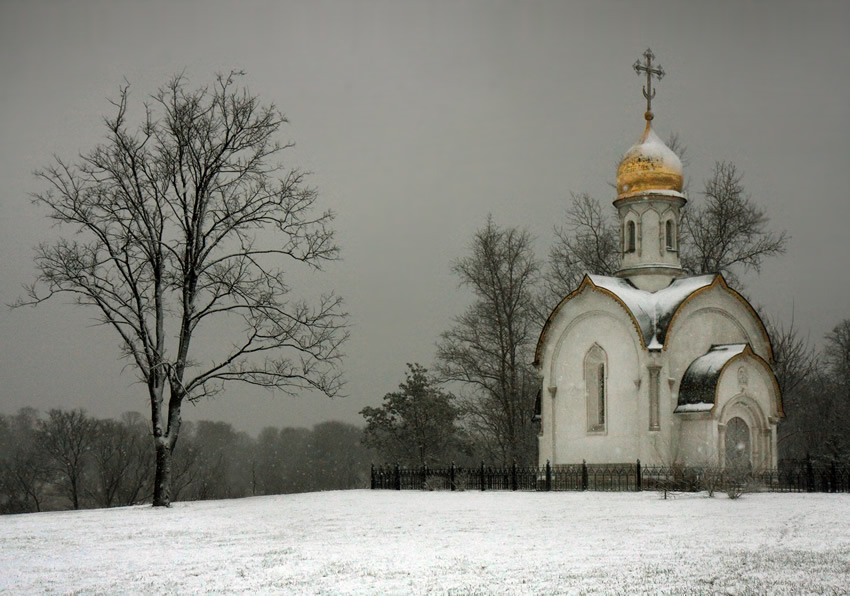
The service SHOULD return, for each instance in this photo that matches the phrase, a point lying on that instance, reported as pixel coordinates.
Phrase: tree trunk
(162, 480)
(74, 496)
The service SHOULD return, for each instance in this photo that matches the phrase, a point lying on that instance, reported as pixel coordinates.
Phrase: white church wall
(697, 440)
(650, 231)
(566, 437)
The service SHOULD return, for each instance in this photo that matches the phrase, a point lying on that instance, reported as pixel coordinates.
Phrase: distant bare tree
(796, 360)
(675, 144)
(185, 464)
(24, 471)
(220, 470)
(489, 349)
(120, 461)
(341, 461)
(588, 243)
(837, 353)
(136, 486)
(66, 438)
(727, 233)
(796, 369)
(817, 398)
(182, 226)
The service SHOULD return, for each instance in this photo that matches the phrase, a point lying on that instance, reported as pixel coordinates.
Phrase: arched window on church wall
(670, 232)
(595, 380)
(630, 237)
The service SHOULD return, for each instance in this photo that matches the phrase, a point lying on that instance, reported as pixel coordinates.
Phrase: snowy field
(362, 542)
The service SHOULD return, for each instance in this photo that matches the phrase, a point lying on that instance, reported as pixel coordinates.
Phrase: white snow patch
(651, 145)
(699, 407)
(387, 542)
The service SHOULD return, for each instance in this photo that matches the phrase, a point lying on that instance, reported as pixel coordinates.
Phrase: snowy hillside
(414, 542)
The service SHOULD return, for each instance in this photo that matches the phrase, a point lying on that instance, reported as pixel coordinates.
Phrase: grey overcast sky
(418, 119)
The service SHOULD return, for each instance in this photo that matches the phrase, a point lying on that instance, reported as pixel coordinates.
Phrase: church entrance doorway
(738, 450)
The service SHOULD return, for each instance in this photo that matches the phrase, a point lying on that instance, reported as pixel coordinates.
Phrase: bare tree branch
(728, 233)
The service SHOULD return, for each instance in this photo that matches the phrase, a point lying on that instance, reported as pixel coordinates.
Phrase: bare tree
(340, 460)
(220, 472)
(183, 226)
(837, 353)
(816, 399)
(795, 359)
(796, 369)
(728, 232)
(588, 243)
(120, 461)
(489, 349)
(24, 471)
(66, 438)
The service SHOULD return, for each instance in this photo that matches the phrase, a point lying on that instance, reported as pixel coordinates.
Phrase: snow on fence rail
(804, 476)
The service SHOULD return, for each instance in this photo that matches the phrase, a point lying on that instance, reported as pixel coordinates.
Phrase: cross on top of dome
(657, 71)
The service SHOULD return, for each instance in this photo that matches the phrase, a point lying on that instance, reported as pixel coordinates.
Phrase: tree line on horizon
(67, 459)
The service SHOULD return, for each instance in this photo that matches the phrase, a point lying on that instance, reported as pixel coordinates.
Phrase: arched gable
(719, 282)
(564, 336)
(585, 285)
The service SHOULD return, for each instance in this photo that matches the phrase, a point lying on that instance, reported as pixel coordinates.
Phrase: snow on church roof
(699, 383)
(653, 311)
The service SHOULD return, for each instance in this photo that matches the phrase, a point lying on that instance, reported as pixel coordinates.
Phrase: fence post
(810, 475)
(637, 478)
(548, 476)
(513, 476)
(372, 476)
(583, 474)
(482, 475)
(397, 476)
(452, 478)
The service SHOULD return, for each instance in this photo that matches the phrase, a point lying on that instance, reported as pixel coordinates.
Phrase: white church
(654, 364)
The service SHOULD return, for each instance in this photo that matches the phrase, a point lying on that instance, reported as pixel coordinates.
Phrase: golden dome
(649, 165)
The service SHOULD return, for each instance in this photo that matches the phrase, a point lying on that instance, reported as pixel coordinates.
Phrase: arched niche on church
(711, 316)
(595, 375)
(668, 239)
(630, 233)
(730, 385)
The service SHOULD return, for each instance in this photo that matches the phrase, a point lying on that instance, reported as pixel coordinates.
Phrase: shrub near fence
(804, 476)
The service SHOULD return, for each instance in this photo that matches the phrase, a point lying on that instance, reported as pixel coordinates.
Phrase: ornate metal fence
(799, 476)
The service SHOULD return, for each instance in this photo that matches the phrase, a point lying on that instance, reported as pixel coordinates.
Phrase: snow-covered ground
(414, 542)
